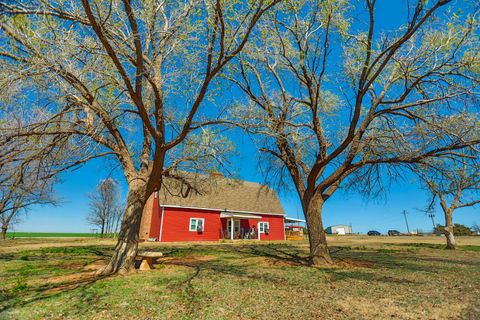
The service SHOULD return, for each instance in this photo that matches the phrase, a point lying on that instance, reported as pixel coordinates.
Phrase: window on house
(263, 227)
(196, 224)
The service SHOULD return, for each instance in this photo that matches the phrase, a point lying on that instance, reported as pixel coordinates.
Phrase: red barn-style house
(210, 208)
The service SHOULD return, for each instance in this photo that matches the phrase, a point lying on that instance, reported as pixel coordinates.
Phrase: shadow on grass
(292, 255)
(281, 264)
(63, 260)
(410, 262)
(287, 254)
(22, 294)
(48, 253)
(292, 271)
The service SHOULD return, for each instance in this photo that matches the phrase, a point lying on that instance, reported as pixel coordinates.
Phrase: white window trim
(196, 224)
(264, 223)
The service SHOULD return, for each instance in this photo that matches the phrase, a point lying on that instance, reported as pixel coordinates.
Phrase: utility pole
(431, 215)
(406, 222)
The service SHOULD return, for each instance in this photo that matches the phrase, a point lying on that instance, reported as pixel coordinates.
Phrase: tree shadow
(7, 256)
(23, 294)
(287, 254)
(454, 263)
(283, 260)
(49, 253)
(251, 272)
(406, 261)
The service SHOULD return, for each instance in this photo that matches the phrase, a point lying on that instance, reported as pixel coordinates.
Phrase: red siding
(176, 223)
(276, 228)
(156, 216)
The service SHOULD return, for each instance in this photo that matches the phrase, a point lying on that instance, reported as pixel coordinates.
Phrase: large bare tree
(455, 183)
(125, 78)
(333, 98)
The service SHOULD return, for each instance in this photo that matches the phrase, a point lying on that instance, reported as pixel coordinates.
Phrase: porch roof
(239, 215)
(293, 220)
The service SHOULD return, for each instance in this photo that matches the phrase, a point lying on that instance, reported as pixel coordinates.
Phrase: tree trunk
(319, 253)
(4, 232)
(103, 229)
(123, 257)
(107, 232)
(448, 231)
(115, 230)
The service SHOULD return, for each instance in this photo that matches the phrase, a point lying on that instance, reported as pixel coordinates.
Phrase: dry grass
(39, 243)
(381, 240)
(374, 278)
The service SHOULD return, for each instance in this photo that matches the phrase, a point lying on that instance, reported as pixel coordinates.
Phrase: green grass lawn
(244, 281)
(50, 235)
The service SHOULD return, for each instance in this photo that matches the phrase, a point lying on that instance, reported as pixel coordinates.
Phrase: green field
(50, 235)
(374, 278)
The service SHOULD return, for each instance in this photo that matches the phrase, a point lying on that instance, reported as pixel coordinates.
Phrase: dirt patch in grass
(275, 262)
(353, 263)
(187, 260)
(97, 265)
(72, 279)
(73, 265)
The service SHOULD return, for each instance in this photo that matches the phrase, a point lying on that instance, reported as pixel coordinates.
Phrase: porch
(239, 226)
(294, 229)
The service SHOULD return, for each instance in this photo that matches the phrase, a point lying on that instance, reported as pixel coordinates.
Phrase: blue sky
(379, 214)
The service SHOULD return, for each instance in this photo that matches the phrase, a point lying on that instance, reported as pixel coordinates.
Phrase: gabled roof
(217, 192)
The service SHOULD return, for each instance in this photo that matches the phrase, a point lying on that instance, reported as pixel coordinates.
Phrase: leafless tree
(19, 192)
(476, 229)
(455, 182)
(25, 179)
(124, 79)
(333, 99)
(105, 207)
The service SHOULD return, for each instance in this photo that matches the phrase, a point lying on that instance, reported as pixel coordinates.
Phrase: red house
(210, 208)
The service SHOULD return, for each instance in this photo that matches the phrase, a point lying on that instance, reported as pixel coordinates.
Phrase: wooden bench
(148, 259)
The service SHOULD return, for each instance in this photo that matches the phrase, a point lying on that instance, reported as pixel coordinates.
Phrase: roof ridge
(208, 175)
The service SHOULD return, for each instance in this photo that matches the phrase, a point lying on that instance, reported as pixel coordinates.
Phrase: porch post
(231, 228)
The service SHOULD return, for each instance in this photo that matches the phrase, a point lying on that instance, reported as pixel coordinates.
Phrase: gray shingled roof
(218, 192)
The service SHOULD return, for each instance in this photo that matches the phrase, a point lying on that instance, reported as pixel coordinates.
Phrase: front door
(236, 226)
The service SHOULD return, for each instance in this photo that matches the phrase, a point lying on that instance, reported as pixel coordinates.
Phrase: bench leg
(147, 264)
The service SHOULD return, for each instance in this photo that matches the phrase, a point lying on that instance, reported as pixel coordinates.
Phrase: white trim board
(239, 215)
(161, 226)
